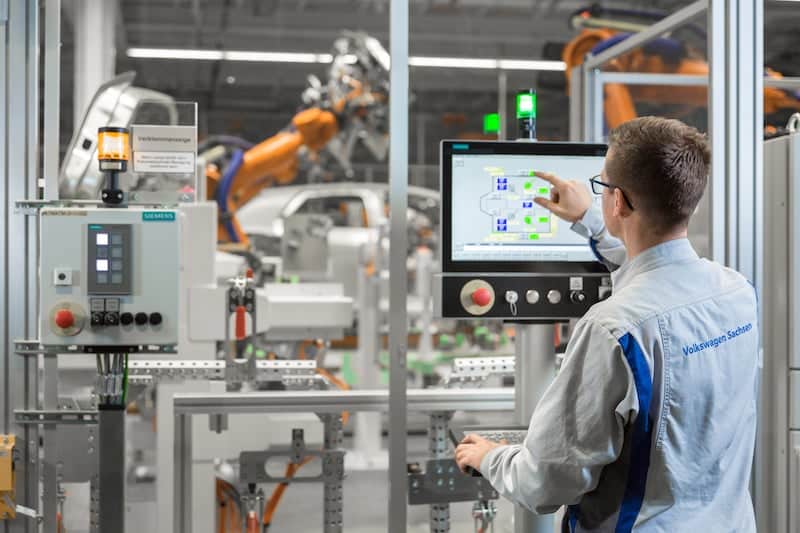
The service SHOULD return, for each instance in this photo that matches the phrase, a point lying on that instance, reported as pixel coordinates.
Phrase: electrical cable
(277, 493)
(125, 382)
(224, 190)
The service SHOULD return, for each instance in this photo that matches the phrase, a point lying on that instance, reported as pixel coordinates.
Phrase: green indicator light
(526, 105)
(491, 123)
(544, 220)
(528, 185)
(528, 220)
(534, 236)
(543, 190)
(532, 173)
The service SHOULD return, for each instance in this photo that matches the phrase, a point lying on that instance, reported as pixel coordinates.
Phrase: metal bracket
(153, 369)
(252, 464)
(32, 207)
(29, 347)
(443, 482)
(35, 417)
(468, 370)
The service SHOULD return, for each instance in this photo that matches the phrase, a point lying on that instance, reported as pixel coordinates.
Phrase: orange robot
(350, 108)
(663, 55)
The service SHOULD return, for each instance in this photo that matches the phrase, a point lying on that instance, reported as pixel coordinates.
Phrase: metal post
(94, 505)
(588, 96)
(424, 286)
(367, 426)
(52, 97)
(502, 103)
(534, 369)
(438, 441)
(50, 152)
(50, 462)
(333, 471)
(736, 110)
(182, 476)
(19, 102)
(111, 488)
(577, 111)
(398, 324)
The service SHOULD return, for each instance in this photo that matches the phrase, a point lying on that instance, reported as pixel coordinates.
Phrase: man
(650, 424)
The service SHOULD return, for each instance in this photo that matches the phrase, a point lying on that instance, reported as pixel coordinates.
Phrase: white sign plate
(165, 149)
(164, 162)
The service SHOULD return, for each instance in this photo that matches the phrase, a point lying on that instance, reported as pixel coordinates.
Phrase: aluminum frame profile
(398, 283)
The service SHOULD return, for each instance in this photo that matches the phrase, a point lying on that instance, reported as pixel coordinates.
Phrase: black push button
(577, 297)
(126, 319)
(141, 319)
(98, 318)
(112, 319)
(155, 319)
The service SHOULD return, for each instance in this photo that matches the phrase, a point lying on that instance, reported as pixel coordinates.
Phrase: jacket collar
(666, 253)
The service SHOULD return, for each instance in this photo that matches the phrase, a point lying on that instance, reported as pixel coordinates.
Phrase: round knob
(112, 319)
(532, 296)
(141, 319)
(64, 318)
(155, 319)
(512, 297)
(553, 296)
(482, 297)
(577, 297)
(126, 319)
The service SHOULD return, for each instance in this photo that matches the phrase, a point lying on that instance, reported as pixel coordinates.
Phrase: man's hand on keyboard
(472, 450)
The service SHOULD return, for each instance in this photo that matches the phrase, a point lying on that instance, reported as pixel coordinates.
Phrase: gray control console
(518, 297)
(504, 255)
(109, 277)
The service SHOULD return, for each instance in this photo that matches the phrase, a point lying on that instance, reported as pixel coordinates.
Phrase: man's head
(661, 166)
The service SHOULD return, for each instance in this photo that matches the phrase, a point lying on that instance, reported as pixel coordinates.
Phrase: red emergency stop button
(64, 318)
(482, 297)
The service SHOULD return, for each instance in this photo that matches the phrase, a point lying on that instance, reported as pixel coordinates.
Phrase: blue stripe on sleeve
(573, 518)
(593, 246)
(641, 436)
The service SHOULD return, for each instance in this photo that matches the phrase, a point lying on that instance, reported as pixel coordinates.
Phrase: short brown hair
(662, 165)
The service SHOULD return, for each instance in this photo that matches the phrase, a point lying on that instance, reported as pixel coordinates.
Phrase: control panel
(504, 255)
(519, 297)
(109, 277)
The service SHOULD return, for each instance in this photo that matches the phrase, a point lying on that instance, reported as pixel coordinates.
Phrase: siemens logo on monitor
(158, 216)
(716, 341)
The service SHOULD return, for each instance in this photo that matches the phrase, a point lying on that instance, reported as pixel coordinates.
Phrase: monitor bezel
(506, 148)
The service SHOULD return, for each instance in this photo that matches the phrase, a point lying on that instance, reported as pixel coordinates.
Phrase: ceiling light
(298, 57)
(175, 53)
(274, 57)
(532, 64)
(452, 62)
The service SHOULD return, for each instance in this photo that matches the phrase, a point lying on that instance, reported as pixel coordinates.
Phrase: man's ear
(620, 207)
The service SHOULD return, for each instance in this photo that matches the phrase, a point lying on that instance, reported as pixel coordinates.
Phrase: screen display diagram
(493, 213)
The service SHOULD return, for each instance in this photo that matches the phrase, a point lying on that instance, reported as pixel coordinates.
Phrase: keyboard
(511, 434)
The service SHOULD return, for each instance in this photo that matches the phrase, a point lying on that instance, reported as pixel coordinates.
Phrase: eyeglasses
(597, 188)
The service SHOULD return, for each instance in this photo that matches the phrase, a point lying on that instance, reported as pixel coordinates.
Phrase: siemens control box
(503, 255)
(109, 277)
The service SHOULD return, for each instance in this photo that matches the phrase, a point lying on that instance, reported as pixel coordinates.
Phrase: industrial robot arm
(350, 108)
(601, 30)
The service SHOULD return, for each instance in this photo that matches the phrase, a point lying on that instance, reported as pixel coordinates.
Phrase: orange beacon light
(113, 154)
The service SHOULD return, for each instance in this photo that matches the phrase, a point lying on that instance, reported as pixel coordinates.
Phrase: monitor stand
(534, 370)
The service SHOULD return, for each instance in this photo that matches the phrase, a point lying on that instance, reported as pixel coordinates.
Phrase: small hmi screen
(493, 213)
